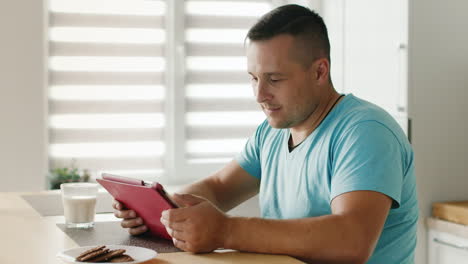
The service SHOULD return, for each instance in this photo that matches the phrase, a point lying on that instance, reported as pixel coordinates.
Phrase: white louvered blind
(221, 112)
(106, 85)
(149, 88)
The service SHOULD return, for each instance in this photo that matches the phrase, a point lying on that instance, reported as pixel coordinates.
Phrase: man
(334, 173)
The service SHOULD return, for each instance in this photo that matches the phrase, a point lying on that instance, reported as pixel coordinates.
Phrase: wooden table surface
(27, 237)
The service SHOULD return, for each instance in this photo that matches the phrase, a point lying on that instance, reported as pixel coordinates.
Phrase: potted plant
(58, 176)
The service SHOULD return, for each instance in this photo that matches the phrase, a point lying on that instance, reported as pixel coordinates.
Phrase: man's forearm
(226, 188)
(201, 188)
(327, 239)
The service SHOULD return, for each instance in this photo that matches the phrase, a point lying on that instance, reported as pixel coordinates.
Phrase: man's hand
(197, 227)
(135, 224)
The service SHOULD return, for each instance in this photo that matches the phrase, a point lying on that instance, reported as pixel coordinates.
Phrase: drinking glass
(79, 204)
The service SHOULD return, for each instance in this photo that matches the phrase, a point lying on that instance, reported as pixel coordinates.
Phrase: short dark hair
(298, 21)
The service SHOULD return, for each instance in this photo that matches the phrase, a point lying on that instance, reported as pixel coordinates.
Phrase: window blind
(107, 86)
(221, 112)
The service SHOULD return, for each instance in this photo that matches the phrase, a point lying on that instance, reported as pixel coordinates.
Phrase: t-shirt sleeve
(368, 157)
(249, 157)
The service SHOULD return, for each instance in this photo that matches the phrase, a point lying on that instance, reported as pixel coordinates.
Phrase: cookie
(93, 254)
(107, 256)
(90, 251)
(123, 258)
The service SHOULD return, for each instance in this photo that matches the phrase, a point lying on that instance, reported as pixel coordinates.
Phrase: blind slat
(219, 132)
(105, 78)
(133, 163)
(217, 104)
(59, 19)
(206, 77)
(225, 22)
(212, 49)
(205, 155)
(241, 1)
(59, 136)
(105, 49)
(73, 107)
(217, 148)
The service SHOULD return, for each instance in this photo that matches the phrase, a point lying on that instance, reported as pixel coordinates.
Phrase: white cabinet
(369, 40)
(445, 248)
(375, 57)
(438, 55)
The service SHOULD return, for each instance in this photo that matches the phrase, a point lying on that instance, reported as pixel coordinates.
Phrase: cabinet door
(375, 57)
(445, 248)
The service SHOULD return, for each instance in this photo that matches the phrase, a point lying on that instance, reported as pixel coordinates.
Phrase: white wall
(22, 99)
(438, 81)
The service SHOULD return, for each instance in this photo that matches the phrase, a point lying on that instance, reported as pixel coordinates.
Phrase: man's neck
(306, 127)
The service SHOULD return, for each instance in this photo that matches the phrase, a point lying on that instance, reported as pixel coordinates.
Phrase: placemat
(51, 204)
(111, 233)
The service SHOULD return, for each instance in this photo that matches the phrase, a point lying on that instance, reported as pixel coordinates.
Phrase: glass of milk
(79, 204)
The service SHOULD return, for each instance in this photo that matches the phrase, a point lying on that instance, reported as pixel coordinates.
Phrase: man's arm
(348, 235)
(227, 188)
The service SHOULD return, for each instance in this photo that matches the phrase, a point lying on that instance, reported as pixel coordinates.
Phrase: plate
(139, 254)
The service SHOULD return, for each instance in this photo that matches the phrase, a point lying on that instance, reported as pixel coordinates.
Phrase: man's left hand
(198, 226)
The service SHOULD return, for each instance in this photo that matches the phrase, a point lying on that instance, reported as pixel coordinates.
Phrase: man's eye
(275, 80)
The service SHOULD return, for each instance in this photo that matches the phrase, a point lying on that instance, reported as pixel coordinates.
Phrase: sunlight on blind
(127, 149)
(106, 35)
(106, 90)
(217, 63)
(213, 91)
(221, 108)
(107, 64)
(91, 121)
(228, 8)
(225, 118)
(220, 146)
(216, 35)
(109, 92)
(119, 7)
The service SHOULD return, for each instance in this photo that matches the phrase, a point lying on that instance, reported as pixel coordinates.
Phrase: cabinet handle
(450, 244)
(410, 130)
(402, 82)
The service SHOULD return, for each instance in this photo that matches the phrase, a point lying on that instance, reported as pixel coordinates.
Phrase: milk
(79, 209)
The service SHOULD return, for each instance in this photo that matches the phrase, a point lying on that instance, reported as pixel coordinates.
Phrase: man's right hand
(131, 220)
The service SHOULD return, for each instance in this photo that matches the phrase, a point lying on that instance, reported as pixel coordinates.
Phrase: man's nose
(262, 92)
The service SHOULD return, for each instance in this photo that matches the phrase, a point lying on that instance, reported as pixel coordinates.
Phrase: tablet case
(147, 200)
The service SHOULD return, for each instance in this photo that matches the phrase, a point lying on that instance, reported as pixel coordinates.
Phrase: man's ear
(322, 69)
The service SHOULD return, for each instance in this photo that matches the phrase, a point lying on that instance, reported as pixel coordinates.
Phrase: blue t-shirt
(358, 146)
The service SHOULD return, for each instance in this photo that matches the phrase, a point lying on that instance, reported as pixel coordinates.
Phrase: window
(149, 88)
(106, 86)
(221, 111)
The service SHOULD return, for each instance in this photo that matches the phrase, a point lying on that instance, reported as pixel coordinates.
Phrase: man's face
(287, 91)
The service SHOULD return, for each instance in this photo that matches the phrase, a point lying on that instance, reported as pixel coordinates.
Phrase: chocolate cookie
(93, 254)
(123, 258)
(107, 256)
(90, 251)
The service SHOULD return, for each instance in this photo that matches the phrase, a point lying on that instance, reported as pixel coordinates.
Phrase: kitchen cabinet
(445, 248)
(431, 91)
(369, 40)
(447, 242)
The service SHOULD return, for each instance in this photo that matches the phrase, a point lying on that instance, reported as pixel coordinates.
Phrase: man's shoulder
(358, 112)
